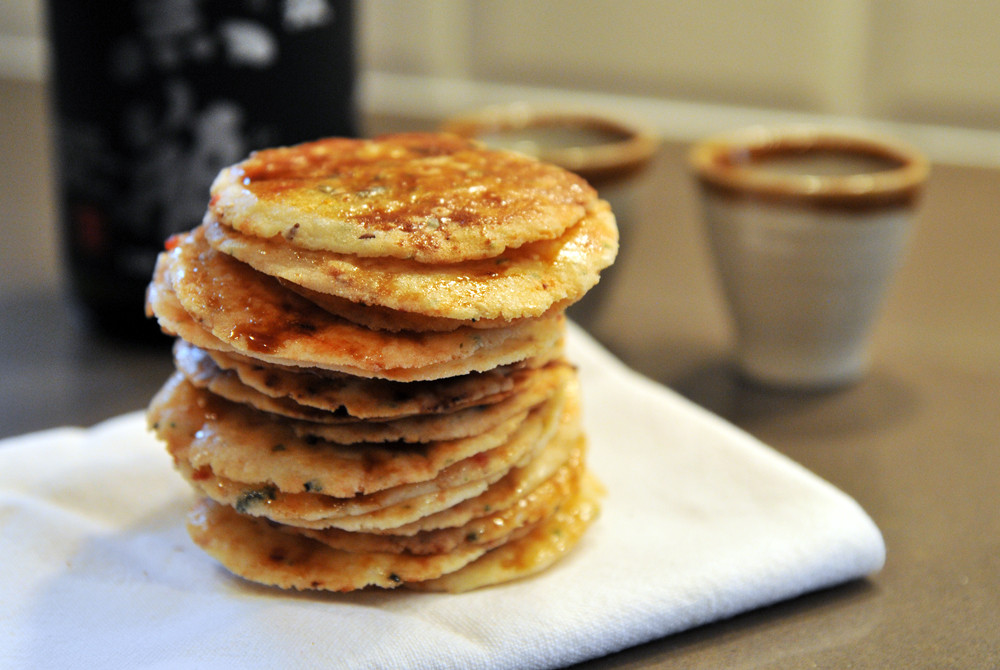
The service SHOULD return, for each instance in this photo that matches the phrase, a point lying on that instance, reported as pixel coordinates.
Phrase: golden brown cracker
(428, 197)
(520, 283)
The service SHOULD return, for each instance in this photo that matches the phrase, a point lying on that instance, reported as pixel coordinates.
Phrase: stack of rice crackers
(370, 385)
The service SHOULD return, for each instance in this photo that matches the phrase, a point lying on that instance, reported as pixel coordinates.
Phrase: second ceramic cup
(807, 226)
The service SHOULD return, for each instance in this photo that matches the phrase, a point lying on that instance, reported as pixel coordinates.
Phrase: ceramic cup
(807, 226)
(610, 152)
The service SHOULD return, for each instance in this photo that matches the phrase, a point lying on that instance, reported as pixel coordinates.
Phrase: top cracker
(431, 198)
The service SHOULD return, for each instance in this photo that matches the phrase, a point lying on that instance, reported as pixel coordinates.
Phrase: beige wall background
(924, 70)
(922, 61)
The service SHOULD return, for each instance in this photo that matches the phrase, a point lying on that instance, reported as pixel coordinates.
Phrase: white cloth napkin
(701, 522)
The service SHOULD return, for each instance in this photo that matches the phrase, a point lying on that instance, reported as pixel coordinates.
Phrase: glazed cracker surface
(370, 389)
(522, 282)
(432, 198)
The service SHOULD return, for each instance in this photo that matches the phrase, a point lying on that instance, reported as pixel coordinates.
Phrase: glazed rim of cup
(728, 162)
(632, 147)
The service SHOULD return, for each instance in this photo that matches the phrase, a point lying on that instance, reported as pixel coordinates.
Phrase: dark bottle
(151, 98)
